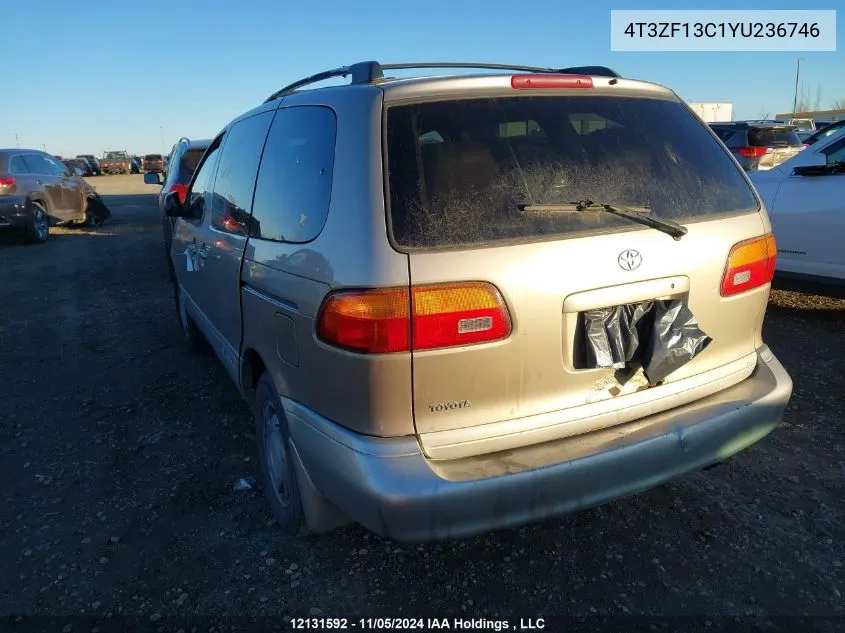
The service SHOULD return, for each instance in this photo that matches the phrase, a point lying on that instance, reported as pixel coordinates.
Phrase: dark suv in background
(37, 190)
(759, 144)
(153, 163)
(93, 164)
(181, 164)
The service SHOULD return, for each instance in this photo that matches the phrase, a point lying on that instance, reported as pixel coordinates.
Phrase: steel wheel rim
(275, 453)
(41, 224)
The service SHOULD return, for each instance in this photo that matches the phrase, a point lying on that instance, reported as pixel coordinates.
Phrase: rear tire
(93, 219)
(278, 470)
(38, 228)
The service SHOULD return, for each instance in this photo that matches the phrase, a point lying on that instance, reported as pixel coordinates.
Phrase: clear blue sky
(83, 77)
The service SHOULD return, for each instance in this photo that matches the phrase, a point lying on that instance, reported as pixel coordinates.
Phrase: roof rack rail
(367, 72)
(597, 71)
(362, 73)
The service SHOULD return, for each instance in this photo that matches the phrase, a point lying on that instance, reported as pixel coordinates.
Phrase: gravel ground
(121, 450)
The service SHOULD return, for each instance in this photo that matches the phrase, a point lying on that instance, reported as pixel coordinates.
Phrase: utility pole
(17, 140)
(797, 74)
(161, 132)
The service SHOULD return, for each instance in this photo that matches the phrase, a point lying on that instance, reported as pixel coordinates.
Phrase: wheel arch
(252, 367)
(40, 199)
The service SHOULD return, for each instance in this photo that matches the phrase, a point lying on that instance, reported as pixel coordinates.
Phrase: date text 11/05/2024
(416, 624)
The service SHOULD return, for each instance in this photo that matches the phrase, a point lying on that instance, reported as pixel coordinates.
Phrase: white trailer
(714, 112)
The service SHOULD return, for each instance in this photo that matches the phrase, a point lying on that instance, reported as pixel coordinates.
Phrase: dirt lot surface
(120, 450)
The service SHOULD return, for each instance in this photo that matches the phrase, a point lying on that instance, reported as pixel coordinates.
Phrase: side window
(723, 133)
(56, 167)
(295, 180)
(235, 181)
(17, 165)
(38, 165)
(431, 137)
(167, 163)
(836, 153)
(520, 128)
(201, 187)
(588, 123)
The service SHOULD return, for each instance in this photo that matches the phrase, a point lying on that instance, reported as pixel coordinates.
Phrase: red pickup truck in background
(115, 163)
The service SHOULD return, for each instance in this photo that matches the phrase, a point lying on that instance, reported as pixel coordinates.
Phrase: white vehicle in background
(805, 197)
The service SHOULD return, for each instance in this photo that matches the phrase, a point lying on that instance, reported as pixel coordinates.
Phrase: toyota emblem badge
(630, 259)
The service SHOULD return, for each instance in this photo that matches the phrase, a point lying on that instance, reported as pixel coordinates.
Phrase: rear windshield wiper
(669, 227)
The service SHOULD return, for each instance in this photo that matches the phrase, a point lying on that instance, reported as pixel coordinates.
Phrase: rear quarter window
(188, 165)
(17, 165)
(724, 133)
(458, 170)
(294, 188)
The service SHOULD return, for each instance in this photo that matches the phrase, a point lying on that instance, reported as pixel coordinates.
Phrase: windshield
(458, 170)
(834, 128)
(802, 124)
(117, 155)
(153, 157)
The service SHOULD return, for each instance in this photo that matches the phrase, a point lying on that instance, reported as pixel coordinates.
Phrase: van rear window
(460, 170)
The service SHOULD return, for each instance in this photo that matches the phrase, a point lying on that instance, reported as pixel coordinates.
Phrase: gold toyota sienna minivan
(464, 302)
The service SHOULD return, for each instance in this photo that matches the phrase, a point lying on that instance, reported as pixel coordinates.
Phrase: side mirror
(151, 178)
(173, 207)
(812, 164)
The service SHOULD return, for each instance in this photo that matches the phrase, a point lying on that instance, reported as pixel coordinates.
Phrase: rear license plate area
(581, 356)
(656, 336)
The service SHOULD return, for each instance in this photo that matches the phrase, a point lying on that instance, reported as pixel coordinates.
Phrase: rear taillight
(372, 321)
(752, 152)
(447, 315)
(426, 317)
(6, 183)
(182, 190)
(536, 82)
(750, 264)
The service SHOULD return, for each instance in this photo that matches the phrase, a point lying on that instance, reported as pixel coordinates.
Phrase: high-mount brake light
(751, 264)
(425, 317)
(542, 81)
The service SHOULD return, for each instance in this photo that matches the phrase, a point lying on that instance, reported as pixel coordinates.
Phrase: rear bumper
(388, 486)
(13, 212)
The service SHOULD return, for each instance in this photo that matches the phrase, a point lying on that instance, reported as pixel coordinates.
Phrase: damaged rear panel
(557, 298)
